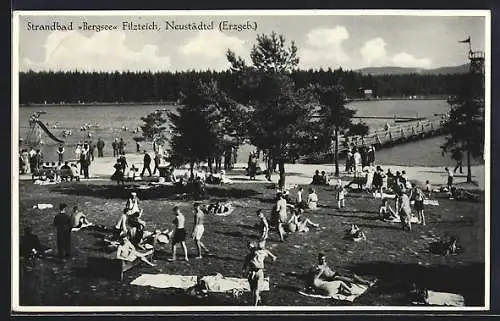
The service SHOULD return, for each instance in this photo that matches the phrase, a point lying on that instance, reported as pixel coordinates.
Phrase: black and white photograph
(272, 160)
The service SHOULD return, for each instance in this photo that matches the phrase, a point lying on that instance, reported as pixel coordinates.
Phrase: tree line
(120, 87)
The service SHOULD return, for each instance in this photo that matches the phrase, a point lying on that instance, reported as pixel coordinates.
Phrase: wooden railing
(399, 133)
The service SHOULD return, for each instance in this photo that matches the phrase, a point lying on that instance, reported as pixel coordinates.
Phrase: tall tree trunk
(281, 182)
(469, 172)
(336, 153)
(210, 164)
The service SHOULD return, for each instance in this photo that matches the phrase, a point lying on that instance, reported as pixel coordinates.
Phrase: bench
(107, 265)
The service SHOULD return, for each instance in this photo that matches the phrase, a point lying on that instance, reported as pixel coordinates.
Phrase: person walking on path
(458, 156)
(100, 148)
(449, 181)
(147, 164)
(60, 153)
(121, 146)
(179, 235)
(62, 222)
(91, 150)
(157, 161)
(115, 148)
(198, 229)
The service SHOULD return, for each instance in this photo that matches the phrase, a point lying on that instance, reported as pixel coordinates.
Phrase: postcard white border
(15, 303)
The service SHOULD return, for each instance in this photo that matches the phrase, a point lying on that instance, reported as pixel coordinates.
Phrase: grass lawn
(396, 258)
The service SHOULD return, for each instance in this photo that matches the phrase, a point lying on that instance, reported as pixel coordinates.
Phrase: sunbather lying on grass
(321, 274)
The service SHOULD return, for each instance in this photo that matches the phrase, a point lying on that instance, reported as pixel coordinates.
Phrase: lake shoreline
(173, 103)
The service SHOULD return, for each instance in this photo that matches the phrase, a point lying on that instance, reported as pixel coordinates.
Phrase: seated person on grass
(219, 207)
(127, 219)
(316, 180)
(74, 172)
(156, 237)
(462, 195)
(385, 212)
(355, 234)
(321, 274)
(78, 219)
(324, 179)
(30, 245)
(132, 173)
(298, 223)
(127, 252)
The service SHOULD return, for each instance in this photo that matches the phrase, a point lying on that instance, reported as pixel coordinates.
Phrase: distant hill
(376, 71)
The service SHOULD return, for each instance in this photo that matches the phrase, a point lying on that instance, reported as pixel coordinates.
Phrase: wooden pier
(400, 133)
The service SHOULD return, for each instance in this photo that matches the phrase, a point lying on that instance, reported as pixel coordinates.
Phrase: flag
(466, 40)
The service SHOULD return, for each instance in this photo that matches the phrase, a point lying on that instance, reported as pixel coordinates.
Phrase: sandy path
(301, 174)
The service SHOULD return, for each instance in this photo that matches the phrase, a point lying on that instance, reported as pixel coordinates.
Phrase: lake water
(111, 119)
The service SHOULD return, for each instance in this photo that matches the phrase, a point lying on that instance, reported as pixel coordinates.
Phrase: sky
(326, 41)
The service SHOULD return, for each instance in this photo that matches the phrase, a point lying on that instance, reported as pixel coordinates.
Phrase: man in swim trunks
(179, 234)
(254, 268)
(127, 252)
(198, 229)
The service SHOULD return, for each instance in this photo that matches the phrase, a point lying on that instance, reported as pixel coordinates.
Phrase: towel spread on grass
(413, 219)
(334, 290)
(219, 283)
(210, 283)
(443, 299)
(384, 195)
(42, 182)
(42, 206)
(164, 281)
(431, 202)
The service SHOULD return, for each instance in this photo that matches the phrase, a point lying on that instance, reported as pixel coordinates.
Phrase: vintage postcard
(300, 160)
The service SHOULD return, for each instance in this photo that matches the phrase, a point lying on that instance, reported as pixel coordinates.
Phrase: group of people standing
(118, 147)
(359, 157)
(131, 226)
(30, 161)
(85, 155)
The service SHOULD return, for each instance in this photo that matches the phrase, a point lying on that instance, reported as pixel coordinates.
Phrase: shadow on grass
(366, 217)
(467, 280)
(159, 192)
(236, 234)
(389, 227)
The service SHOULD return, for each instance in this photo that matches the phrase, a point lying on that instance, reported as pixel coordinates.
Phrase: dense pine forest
(121, 87)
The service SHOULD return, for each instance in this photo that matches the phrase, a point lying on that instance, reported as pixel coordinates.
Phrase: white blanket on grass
(383, 195)
(212, 283)
(413, 219)
(219, 283)
(443, 299)
(431, 202)
(333, 288)
(164, 281)
(46, 182)
(42, 206)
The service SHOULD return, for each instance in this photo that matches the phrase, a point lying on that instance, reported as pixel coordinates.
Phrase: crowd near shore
(402, 199)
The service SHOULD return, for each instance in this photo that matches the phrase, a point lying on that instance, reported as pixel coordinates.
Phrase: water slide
(46, 130)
